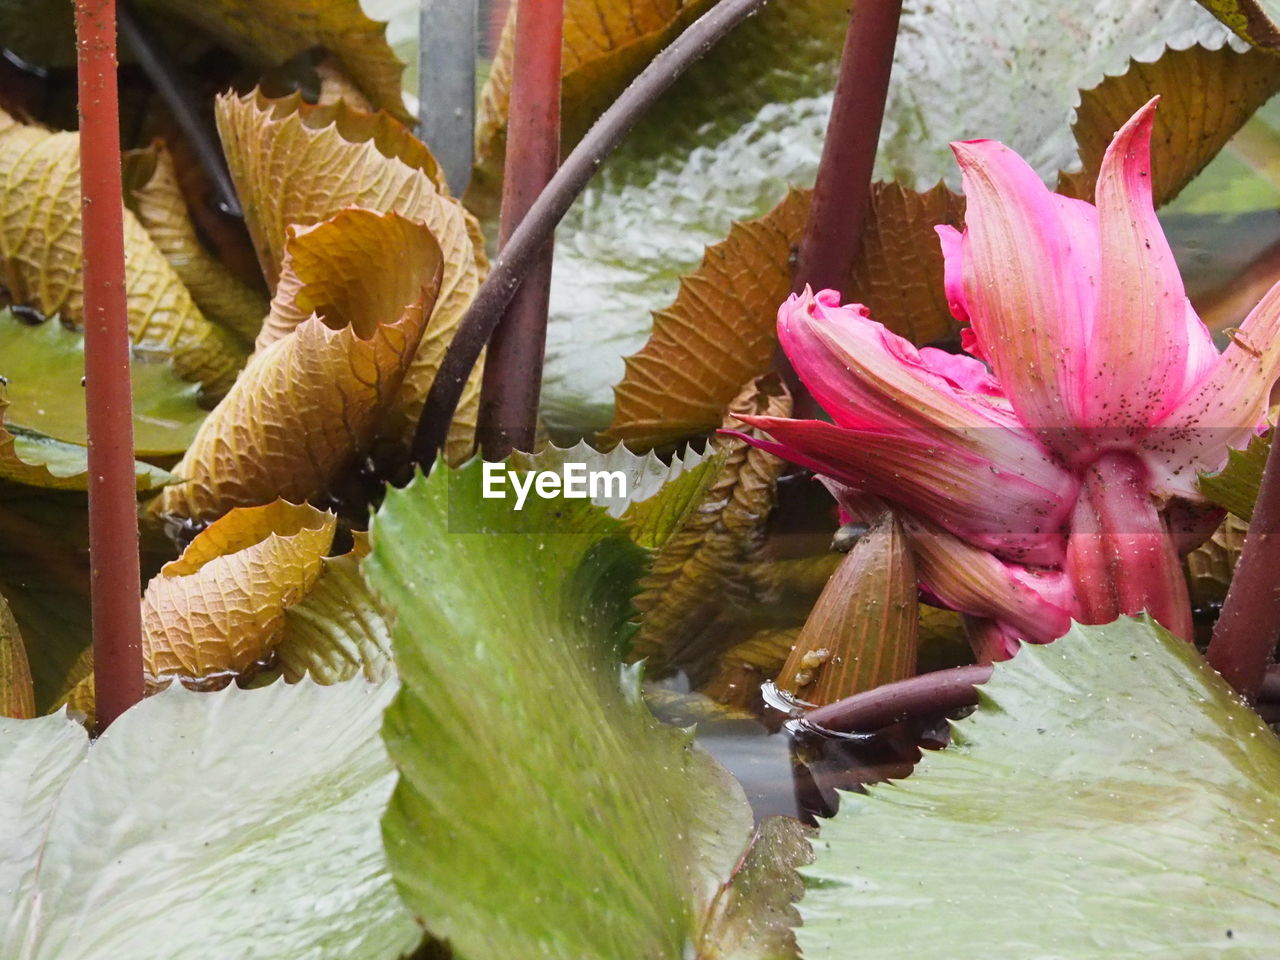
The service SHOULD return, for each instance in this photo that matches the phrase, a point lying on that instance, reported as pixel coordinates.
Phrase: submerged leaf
(864, 629)
(153, 194)
(1235, 487)
(1206, 96)
(219, 608)
(40, 251)
(1112, 775)
(242, 823)
(297, 165)
(17, 693)
(601, 833)
(311, 402)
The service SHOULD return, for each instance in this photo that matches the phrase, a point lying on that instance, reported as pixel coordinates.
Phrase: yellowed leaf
(1206, 96)
(1211, 564)
(1249, 19)
(219, 608)
(295, 164)
(269, 32)
(606, 43)
(721, 329)
(336, 84)
(701, 568)
(864, 629)
(745, 668)
(153, 194)
(310, 403)
(40, 257)
(17, 693)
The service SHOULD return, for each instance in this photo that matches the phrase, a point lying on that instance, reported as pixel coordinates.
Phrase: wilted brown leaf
(720, 331)
(864, 629)
(606, 43)
(1211, 564)
(311, 402)
(336, 84)
(295, 164)
(40, 257)
(17, 693)
(268, 32)
(744, 668)
(1205, 97)
(701, 568)
(153, 194)
(219, 608)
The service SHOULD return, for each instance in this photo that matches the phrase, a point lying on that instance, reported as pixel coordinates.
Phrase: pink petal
(961, 371)
(1029, 604)
(1029, 262)
(1224, 410)
(952, 242)
(1148, 343)
(867, 377)
(993, 487)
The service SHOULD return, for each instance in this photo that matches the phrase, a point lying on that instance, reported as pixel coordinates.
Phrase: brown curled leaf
(864, 629)
(219, 608)
(153, 194)
(702, 568)
(720, 331)
(295, 164)
(17, 693)
(310, 403)
(1206, 96)
(40, 258)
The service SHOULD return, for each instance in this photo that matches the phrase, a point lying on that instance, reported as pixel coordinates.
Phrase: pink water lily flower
(1050, 473)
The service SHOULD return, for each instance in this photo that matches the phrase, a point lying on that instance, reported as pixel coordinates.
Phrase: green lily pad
(748, 121)
(1111, 797)
(68, 463)
(541, 810)
(240, 824)
(44, 365)
(1235, 487)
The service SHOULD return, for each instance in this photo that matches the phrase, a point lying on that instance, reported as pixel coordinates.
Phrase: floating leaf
(503, 648)
(754, 916)
(153, 194)
(219, 608)
(864, 629)
(1235, 487)
(1206, 96)
(1111, 773)
(240, 823)
(44, 365)
(606, 43)
(310, 403)
(17, 694)
(699, 570)
(40, 249)
(295, 164)
(721, 330)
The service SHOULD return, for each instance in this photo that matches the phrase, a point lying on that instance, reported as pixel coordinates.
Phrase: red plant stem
(513, 369)
(1244, 640)
(574, 174)
(115, 580)
(930, 693)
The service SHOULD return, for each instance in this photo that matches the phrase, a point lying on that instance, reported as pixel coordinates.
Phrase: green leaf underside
(236, 824)
(1110, 798)
(1235, 487)
(747, 122)
(541, 812)
(44, 365)
(659, 495)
